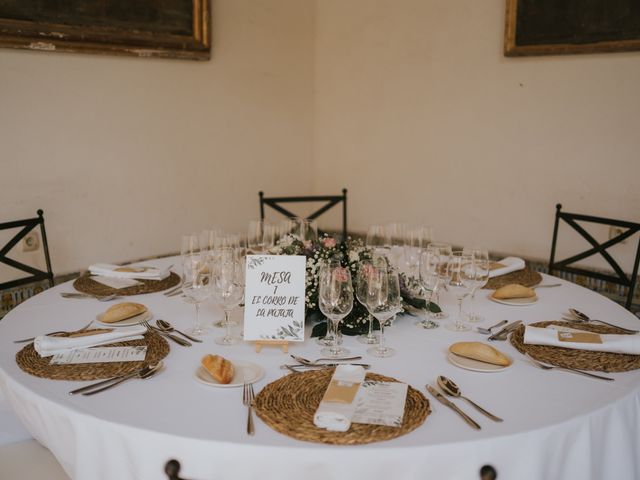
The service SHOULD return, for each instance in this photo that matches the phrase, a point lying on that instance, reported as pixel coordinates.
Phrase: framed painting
(143, 28)
(552, 27)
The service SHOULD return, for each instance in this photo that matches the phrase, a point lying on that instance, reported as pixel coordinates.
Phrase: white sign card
(274, 297)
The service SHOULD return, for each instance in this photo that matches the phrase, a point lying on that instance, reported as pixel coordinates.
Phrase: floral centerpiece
(350, 254)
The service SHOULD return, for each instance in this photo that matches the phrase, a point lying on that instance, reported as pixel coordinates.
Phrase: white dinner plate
(517, 302)
(127, 322)
(244, 372)
(475, 365)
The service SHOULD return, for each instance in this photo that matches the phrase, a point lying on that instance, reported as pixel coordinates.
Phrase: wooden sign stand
(283, 344)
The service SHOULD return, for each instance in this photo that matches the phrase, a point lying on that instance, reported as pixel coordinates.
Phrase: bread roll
(122, 311)
(218, 367)
(513, 290)
(481, 352)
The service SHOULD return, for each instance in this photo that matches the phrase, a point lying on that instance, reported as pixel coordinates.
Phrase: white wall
(126, 154)
(408, 103)
(418, 112)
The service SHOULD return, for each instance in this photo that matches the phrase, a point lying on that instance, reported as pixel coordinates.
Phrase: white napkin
(629, 344)
(336, 416)
(511, 264)
(47, 346)
(146, 273)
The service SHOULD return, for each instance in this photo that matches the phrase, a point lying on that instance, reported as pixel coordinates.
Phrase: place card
(274, 298)
(381, 403)
(115, 282)
(100, 355)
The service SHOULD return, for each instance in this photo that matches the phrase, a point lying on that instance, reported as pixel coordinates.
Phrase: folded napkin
(128, 271)
(509, 264)
(556, 336)
(338, 404)
(47, 346)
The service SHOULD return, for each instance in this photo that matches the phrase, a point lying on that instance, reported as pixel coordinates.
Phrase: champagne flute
(376, 239)
(255, 236)
(336, 301)
(442, 252)
(196, 278)
(461, 281)
(428, 275)
(481, 277)
(383, 302)
(228, 290)
(365, 269)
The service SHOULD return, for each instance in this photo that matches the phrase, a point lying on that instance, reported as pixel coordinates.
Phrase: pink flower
(329, 242)
(341, 274)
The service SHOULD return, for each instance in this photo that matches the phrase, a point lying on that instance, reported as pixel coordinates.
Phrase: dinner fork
(175, 338)
(248, 397)
(568, 369)
(25, 340)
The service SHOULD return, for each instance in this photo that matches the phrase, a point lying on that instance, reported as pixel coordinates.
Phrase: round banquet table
(556, 424)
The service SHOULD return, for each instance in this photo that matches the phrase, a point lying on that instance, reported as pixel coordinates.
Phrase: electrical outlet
(615, 231)
(31, 242)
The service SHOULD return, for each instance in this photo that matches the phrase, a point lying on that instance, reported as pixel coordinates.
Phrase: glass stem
(370, 334)
(197, 327)
(472, 304)
(381, 347)
(227, 323)
(334, 344)
(460, 310)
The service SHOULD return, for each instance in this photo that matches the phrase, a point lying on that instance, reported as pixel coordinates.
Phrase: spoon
(487, 331)
(144, 372)
(315, 362)
(582, 317)
(165, 326)
(450, 388)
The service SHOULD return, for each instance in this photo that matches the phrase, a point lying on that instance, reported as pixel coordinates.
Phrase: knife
(442, 399)
(502, 334)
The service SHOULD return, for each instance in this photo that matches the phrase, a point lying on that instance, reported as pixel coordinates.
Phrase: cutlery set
(449, 387)
(145, 372)
(100, 298)
(319, 363)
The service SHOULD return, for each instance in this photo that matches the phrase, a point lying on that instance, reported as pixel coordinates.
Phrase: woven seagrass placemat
(526, 277)
(85, 284)
(580, 359)
(289, 404)
(31, 362)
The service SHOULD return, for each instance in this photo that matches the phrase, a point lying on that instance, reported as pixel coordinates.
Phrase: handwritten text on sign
(274, 297)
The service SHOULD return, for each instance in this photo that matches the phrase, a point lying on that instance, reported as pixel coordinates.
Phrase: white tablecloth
(557, 425)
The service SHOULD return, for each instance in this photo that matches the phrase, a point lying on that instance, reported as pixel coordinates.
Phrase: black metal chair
(620, 278)
(331, 201)
(172, 469)
(35, 275)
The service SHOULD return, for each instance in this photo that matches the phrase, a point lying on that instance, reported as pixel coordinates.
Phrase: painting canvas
(549, 27)
(164, 28)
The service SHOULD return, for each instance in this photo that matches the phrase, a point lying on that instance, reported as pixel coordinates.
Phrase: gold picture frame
(554, 27)
(144, 28)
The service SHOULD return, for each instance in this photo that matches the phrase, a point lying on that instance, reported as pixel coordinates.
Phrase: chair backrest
(628, 230)
(35, 275)
(172, 469)
(331, 201)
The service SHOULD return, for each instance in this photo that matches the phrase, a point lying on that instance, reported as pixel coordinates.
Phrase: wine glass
(461, 281)
(481, 277)
(442, 253)
(383, 302)
(222, 256)
(415, 239)
(336, 301)
(428, 275)
(365, 269)
(196, 278)
(228, 290)
(376, 239)
(255, 235)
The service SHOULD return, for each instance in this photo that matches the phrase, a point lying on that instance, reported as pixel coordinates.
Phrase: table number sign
(274, 298)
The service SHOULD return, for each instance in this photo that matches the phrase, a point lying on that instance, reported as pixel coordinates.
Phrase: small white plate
(127, 322)
(244, 372)
(476, 365)
(516, 302)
